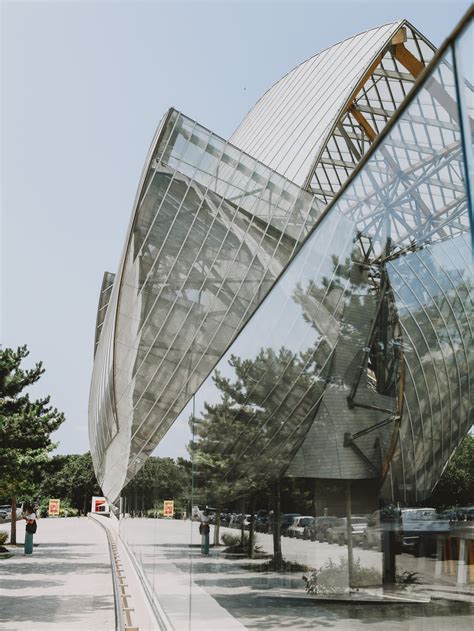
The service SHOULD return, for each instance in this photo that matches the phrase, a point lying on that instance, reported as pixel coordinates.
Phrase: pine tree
(25, 428)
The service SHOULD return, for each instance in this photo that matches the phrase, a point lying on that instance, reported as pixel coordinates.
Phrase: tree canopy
(25, 426)
(71, 478)
(456, 485)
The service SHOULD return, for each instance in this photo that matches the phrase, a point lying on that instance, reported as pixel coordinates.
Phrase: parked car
(415, 529)
(286, 521)
(299, 524)
(318, 530)
(337, 533)
(420, 530)
(465, 513)
(225, 517)
(262, 521)
(6, 511)
(387, 519)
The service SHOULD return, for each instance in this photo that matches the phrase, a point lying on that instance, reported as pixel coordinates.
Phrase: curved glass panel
(307, 378)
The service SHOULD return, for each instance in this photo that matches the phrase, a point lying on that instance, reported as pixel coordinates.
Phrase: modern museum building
(285, 352)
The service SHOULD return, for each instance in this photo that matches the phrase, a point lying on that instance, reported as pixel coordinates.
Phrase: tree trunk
(13, 523)
(252, 527)
(315, 498)
(350, 554)
(217, 525)
(277, 556)
(242, 527)
(388, 554)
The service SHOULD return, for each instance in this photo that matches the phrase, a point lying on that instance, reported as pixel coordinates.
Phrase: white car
(6, 511)
(299, 524)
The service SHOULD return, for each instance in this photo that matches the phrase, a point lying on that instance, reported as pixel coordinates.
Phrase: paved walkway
(65, 585)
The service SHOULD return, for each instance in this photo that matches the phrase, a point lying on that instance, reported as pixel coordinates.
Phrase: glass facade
(302, 376)
(212, 231)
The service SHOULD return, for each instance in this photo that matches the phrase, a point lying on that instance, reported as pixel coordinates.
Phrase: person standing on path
(30, 518)
(204, 529)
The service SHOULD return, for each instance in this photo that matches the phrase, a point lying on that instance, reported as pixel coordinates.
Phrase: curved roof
(291, 124)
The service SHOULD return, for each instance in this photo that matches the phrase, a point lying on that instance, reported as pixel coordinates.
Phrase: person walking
(30, 529)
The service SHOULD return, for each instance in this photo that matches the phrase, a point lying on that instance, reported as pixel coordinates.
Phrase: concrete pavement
(65, 585)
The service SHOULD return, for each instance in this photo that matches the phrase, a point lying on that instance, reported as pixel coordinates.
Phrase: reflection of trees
(159, 479)
(245, 442)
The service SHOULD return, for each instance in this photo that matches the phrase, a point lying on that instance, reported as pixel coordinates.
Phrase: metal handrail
(119, 619)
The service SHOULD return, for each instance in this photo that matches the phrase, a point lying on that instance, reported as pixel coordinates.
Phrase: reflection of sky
(465, 49)
(421, 277)
(277, 323)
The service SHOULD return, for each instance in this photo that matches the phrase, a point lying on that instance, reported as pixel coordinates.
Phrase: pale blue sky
(84, 85)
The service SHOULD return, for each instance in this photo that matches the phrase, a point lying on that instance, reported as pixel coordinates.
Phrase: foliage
(3, 537)
(159, 479)
(405, 579)
(231, 540)
(241, 445)
(25, 427)
(333, 578)
(71, 479)
(238, 545)
(153, 513)
(65, 508)
(456, 485)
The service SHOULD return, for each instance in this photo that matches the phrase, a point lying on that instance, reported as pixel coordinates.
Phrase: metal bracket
(349, 440)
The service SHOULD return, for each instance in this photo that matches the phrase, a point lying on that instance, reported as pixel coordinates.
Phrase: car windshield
(306, 521)
(420, 515)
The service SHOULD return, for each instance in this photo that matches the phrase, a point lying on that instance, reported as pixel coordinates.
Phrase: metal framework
(360, 311)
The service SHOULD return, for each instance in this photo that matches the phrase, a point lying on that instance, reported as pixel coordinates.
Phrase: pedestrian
(30, 529)
(204, 529)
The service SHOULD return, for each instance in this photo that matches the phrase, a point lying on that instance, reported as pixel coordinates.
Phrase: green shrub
(232, 541)
(406, 579)
(333, 578)
(67, 511)
(3, 537)
(153, 513)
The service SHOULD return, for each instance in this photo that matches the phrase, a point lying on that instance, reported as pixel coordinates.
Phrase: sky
(84, 86)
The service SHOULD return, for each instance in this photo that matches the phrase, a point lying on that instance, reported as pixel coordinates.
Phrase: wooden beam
(414, 66)
(367, 76)
(437, 91)
(364, 123)
(400, 36)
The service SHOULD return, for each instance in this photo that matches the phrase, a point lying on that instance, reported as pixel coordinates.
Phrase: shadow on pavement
(55, 568)
(290, 613)
(26, 583)
(40, 608)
